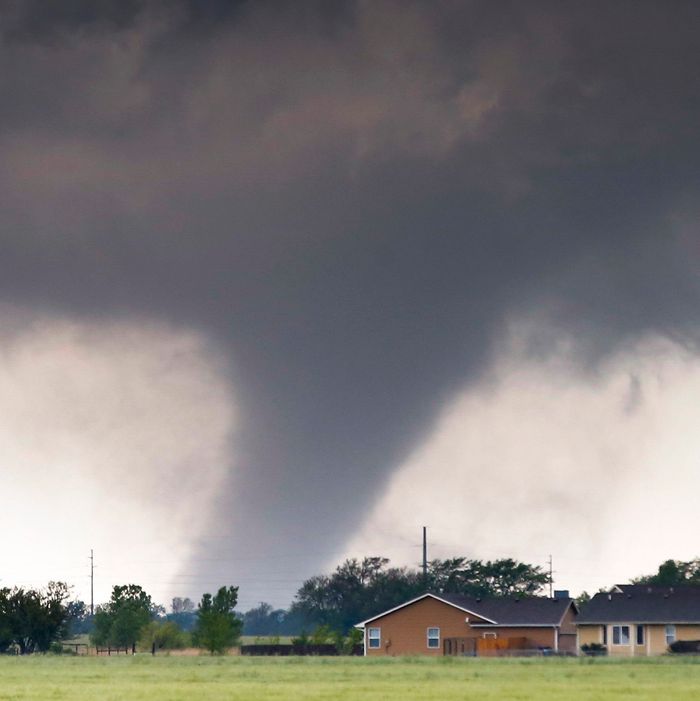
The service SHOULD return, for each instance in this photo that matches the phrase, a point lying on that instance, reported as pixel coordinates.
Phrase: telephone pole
(425, 557)
(551, 582)
(92, 582)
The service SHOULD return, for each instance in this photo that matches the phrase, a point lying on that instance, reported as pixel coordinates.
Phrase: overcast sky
(282, 282)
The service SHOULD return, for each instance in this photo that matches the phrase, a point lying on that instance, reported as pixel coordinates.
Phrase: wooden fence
(490, 647)
(116, 650)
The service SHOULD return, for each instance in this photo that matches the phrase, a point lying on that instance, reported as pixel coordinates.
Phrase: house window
(374, 638)
(605, 635)
(670, 634)
(621, 635)
(640, 635)
(433, 638)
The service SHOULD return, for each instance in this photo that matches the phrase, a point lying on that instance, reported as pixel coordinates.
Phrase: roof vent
(478, 599)
(665, 596)
(609, 597)
(629, 596)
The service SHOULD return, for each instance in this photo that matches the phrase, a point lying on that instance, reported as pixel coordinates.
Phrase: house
(635, 620)
(448, 624)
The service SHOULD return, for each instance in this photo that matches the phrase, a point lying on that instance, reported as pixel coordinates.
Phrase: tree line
(130, 617)
(37, 620)
(359, 589)
(324, 610)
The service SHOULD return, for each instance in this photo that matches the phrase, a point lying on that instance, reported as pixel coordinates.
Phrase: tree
(356, 590)
(164, 635)
(120, 622)
(582, 599)
(180, 605)
(33, 619)
(673, 573)
(264, 619)
(477, 578)
(182, 613)
(359, 589)
(218, 627)
(79, 618)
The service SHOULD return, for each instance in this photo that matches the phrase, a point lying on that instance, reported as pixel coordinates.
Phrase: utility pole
(551, 583)
(92, 582)
(425, 557)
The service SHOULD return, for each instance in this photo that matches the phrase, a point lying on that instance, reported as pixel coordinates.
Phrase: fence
(116, 650)
(493, 647)
(284, 650)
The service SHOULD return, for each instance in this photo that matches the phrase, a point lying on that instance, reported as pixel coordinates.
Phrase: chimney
(561, 594)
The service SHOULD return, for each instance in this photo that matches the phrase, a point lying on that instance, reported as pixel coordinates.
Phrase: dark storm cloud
(353, 200)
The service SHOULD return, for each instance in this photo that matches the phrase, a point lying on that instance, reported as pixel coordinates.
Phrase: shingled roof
(638, 603)
(514, 611)
(534, 611)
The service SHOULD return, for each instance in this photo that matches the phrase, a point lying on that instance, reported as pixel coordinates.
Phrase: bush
(165, 635)
(685, 646)
(347, 644)
(594, 649)
(302, 640)
(322, 635)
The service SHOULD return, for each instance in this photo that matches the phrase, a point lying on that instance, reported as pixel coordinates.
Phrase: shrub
(165, 635)
(594, 649)
(685, 646)
(345, 645)
(302, 640)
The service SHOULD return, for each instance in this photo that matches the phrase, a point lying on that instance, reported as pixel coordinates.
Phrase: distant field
(245, 639)
(265, 639)
(143, 678)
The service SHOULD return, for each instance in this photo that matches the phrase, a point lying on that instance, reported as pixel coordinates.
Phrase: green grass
(143, 678)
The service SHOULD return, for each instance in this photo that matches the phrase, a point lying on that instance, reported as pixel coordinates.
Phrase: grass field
(144, 678)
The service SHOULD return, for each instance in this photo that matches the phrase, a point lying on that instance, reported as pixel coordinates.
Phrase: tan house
(447, 624)
(637, 620)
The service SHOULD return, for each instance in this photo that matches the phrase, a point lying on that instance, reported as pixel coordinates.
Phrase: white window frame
(618, 629)
(374, 642)
(491, 636)
(639, 629)
(670, 633)
(433, 638)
